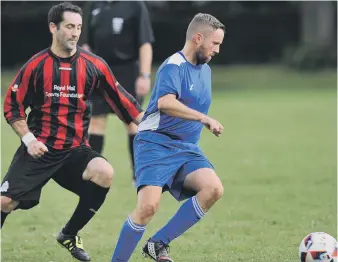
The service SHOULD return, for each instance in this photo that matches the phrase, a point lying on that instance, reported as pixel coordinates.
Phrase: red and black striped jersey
(58, 92)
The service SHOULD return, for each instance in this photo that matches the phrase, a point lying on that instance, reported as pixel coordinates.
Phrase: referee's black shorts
(26, 176)
(126, 75)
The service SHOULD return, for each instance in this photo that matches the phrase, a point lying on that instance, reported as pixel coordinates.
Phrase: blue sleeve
(168, 81)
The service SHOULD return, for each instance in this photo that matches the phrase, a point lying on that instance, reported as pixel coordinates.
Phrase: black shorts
(26, 176)
(126, 75)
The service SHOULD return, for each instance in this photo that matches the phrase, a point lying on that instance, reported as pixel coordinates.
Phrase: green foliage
(310, 57)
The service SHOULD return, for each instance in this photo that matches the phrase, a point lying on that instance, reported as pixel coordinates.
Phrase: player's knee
(103, 176)
(215, 191)
(106, 177)
(8, 204)
(100, 172)
(147, 211)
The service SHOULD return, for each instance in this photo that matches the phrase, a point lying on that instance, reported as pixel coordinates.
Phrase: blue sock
(187, 216)
(130, 235)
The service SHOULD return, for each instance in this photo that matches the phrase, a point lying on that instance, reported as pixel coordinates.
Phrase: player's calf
(135, 224)
(98, 176)
(209, 188)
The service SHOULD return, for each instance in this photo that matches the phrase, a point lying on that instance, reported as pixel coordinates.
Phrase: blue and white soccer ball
(318, 246)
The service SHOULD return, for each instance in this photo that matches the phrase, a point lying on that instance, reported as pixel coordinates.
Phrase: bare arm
(169, 105)
(146, 57)
(20, 127)
(172, 107)
(142, 84)
(145, 40)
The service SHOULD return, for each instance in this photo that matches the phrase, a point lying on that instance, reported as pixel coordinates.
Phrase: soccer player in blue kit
(167, 155)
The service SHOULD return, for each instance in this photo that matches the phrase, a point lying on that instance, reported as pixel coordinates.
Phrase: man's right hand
(213, 125)
(36, 149)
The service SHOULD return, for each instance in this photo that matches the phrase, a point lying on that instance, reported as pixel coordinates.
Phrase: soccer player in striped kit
(57, 84)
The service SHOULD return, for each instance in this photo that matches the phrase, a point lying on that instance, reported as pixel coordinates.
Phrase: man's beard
(65, 45)
(68, 47)
(200, 58)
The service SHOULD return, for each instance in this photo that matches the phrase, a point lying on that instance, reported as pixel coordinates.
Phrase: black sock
(96, 142)
(131, 151)
(91, 199)
(3, 217)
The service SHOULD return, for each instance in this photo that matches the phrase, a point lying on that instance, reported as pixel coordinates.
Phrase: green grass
(277, 160)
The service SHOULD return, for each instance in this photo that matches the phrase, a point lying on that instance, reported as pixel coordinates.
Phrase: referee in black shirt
(121, 33)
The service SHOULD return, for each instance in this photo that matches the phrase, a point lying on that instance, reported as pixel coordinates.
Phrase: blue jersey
(192, 86)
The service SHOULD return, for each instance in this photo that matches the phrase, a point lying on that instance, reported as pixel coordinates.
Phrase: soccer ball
(318, 246)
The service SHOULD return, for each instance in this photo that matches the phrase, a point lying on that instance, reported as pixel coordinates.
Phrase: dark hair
(55, 14)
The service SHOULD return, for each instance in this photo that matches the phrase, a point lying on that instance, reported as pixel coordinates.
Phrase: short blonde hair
(203, 23)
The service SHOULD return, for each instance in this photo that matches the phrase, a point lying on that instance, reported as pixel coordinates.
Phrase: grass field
(277, 160)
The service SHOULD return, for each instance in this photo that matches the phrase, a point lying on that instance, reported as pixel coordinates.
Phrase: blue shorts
(165, 162)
